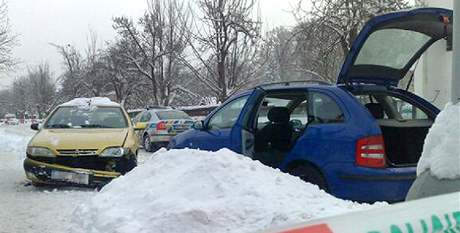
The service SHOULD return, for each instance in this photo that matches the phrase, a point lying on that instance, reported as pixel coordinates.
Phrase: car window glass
(227, 116)
(174, 114)
(369, 99)
(295, 102)
(406, 110)
(300, 113)
(391, 47)
(394, 107)
(75, 117)
(267, 104)
(324, 109)
(146, 117)
(138, 117)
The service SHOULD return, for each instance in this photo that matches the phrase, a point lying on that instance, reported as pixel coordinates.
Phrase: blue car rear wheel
(310, 174)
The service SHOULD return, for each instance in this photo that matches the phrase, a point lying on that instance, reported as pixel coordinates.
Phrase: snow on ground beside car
(198, 191)
(14, 139)
(25, 208)
(441, 151)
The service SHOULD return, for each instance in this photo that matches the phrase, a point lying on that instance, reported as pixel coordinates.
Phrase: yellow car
(87, 141)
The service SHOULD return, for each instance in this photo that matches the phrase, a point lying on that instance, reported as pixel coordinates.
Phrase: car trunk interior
(403, 125)
(404, 140)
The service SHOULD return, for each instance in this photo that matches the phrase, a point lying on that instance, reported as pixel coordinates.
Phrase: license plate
(180, 128)
(78, 178)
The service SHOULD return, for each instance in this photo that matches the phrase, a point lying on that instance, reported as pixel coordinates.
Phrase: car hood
(70, 139)
(389, 45)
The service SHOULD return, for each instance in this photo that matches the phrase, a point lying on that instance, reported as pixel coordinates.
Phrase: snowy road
(25, 208)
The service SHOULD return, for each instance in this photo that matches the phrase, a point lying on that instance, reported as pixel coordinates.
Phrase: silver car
(160, 125)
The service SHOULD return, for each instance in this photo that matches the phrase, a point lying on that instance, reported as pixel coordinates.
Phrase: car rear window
(391, 48)
(167, 115)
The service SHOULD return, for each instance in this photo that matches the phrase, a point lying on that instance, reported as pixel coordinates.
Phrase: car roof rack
(290, 83)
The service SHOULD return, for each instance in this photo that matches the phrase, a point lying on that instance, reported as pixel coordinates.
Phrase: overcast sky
(41, 22)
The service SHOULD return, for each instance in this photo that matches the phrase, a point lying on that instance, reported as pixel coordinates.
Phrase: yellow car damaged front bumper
(45, 173)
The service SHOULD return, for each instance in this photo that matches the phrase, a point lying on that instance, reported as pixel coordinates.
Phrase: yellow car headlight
(40, 151)
(115, 152)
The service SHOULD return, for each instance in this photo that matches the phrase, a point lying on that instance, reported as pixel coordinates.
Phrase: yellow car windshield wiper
(95, 126)
(58, 126)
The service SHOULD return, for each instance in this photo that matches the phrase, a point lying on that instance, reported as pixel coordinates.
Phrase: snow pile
(198, 191)
(14, 140)
(90, 102)
(441, 151)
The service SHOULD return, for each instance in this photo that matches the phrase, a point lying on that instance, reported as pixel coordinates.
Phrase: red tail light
(161, 125)
(370, 152)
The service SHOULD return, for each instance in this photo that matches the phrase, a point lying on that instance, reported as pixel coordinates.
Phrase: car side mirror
(199, 125)
(140, 126)
(35, 126)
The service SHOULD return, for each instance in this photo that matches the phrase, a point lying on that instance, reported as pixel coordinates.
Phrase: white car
(160, 125)
(12, 121)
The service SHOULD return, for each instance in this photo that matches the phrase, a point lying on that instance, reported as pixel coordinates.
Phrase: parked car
(160, 125)
(82, 142)
(10, 119)
(132, 113)
(350, 139)
(198, 112)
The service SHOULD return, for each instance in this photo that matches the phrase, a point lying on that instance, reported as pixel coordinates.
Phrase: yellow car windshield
(76, 117)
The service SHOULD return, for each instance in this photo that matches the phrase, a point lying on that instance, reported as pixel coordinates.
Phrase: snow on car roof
(194, 107)
(165, 110)
(90, 102)
(136, 110)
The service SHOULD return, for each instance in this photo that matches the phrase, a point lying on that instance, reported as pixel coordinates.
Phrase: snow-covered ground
(25, 208)
(175, 191)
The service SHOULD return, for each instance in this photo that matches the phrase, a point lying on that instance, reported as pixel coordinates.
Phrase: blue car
(359, 139)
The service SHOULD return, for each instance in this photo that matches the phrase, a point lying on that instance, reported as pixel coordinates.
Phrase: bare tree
(157, 41)
(84, 75)
(71, 80)
(224, 43)
(19, 96)
(32, 93)
(94, 75)
(324, 34)
(42, 89)
(7, 39)
(279, 47)
(344, 18)
(122, 80)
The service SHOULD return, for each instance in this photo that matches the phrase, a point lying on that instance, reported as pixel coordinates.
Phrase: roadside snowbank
(198, 191)
(441, 151)
(14, 139)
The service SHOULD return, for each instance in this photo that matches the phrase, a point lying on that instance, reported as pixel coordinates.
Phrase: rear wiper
(57, 126)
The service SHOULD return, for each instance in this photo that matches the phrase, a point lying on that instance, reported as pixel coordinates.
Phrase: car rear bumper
(39, 172)
(348, 181)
